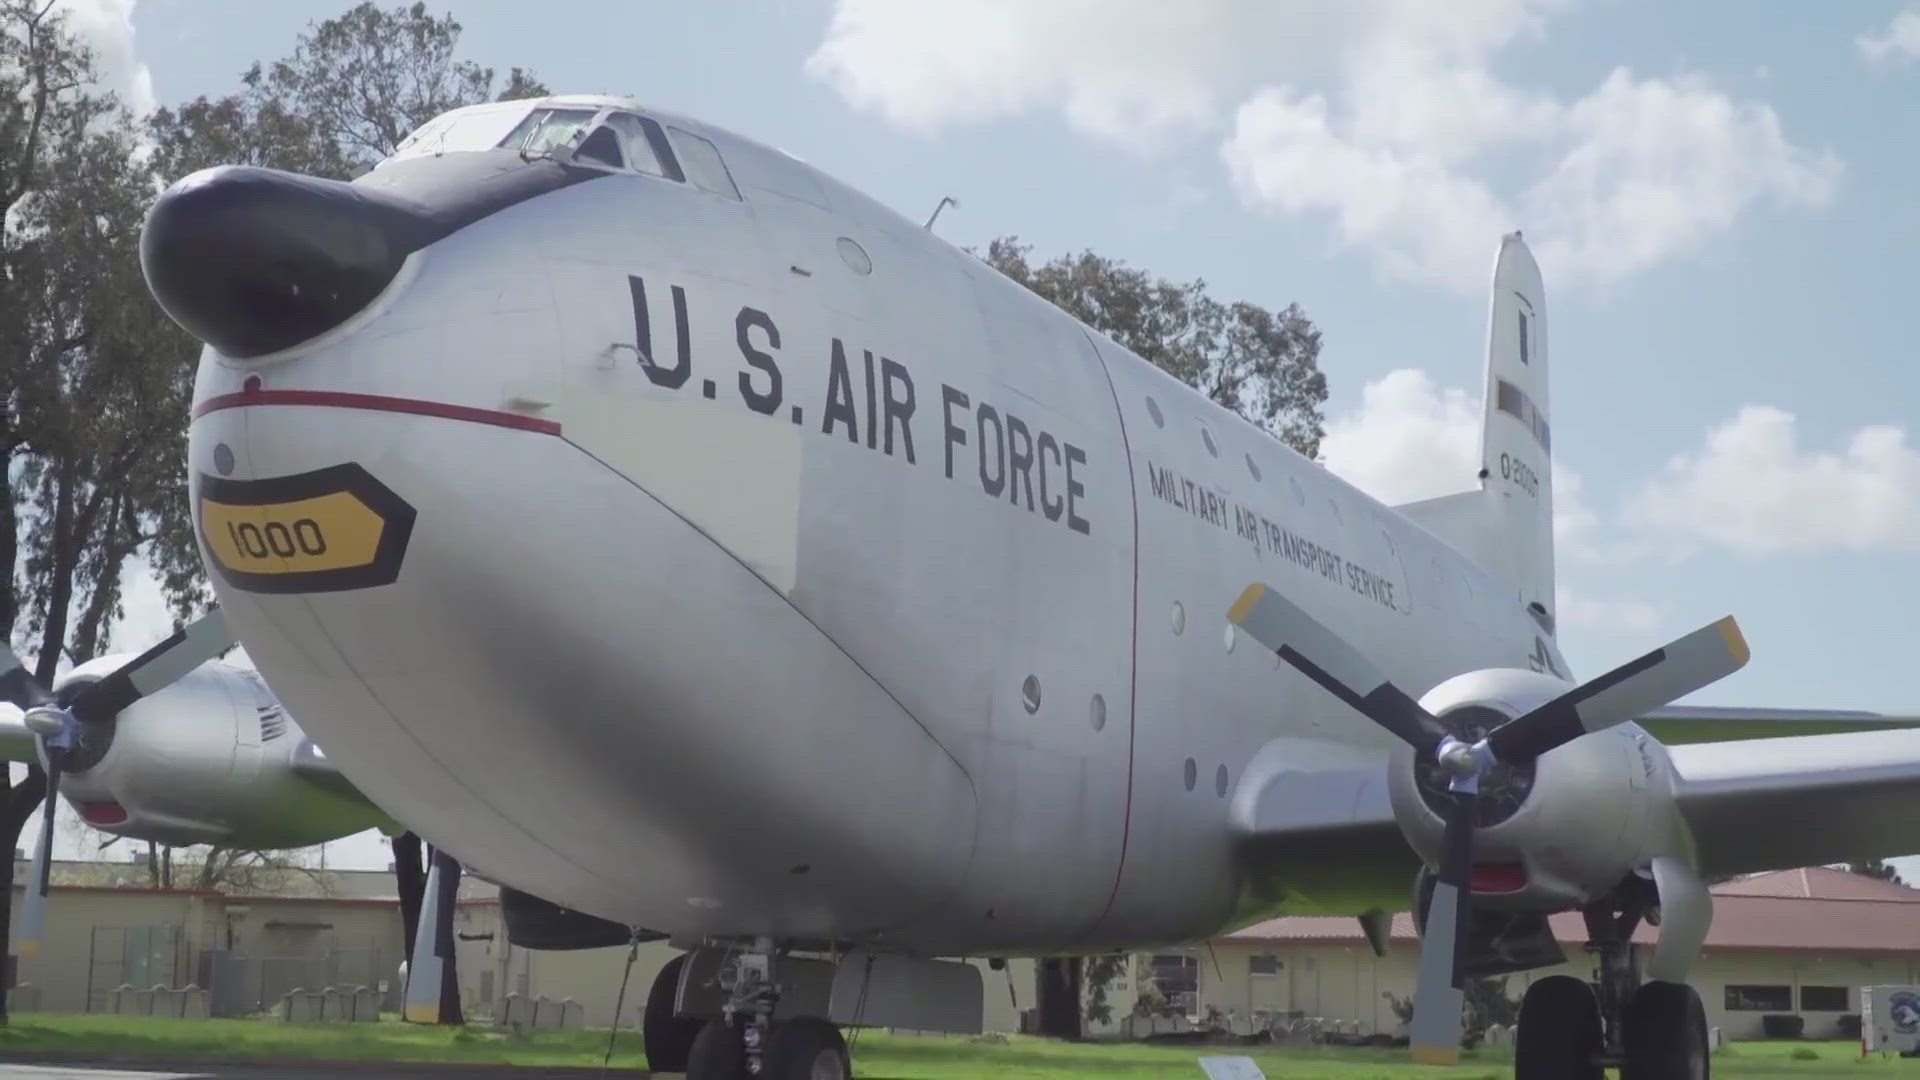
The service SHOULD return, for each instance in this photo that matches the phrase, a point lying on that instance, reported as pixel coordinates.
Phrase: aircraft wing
(1785, 802)
(1679, 725)
(312, 765)
(1324, 840)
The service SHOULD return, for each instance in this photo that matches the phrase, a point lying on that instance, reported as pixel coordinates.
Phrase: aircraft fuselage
(773, 567)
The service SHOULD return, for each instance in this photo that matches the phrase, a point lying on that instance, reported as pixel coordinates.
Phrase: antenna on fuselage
(945, 201)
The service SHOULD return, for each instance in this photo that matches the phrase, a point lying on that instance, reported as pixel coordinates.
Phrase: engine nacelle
(1552, 834)
(211, 759)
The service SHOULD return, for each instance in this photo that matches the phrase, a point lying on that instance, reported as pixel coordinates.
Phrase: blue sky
(1724, 219)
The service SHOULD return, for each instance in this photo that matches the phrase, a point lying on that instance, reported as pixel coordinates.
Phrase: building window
(1777, 999)
(1523, 338)
(1826, 999)
(1263, 965)
(1175, 973)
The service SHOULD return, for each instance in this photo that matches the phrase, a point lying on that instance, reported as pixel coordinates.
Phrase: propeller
(1631, 690)
(62, 729)
(427, 990)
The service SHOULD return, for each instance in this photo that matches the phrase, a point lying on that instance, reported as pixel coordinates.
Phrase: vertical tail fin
(1515, 438)
(1507, 525)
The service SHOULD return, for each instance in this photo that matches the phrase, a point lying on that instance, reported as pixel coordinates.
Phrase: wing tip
(1243, 607)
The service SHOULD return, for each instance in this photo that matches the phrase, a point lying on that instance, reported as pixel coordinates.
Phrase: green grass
(877, 1056)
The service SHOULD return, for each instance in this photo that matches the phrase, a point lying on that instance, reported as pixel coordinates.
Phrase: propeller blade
(423, 967)
(33, 917)
(155, 669)
(1659, 678)
(1437, 998)
(1319, 654)
(18, 685)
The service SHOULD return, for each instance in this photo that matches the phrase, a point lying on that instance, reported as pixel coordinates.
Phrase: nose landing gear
(749, 1040)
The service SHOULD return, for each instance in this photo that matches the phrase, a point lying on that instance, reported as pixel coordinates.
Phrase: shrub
(1850, 1026)
(1782, 1026)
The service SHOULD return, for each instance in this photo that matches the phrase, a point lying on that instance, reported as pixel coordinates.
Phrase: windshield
(478, 127)
(545, 129)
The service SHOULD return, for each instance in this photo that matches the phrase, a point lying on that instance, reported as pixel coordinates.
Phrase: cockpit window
(703, 163)
(545, 129)
(644, 145)
(602, 146)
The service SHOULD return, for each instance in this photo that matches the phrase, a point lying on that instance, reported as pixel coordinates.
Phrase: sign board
(1889, 1018)
(1231, 1068)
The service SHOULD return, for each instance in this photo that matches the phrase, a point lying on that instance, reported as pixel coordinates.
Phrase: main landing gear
(747, 1041)
(1568, 1030)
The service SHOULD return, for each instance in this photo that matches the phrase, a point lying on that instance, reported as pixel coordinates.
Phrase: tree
(96, 381)
(1262, 364)
(1100, 973)
(1057, 999)
(354, 87)
(1879, 869)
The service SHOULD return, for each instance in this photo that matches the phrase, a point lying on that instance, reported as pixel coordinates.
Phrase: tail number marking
(1520, 474)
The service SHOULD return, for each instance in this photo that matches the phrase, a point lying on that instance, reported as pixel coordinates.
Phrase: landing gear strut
(747, 1042)
(1655, 1031)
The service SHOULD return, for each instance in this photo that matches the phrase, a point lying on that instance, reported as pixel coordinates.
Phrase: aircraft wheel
(805, 1048)
(668, 1038)
(716, 1053)
(1559, 1032)
(1666, 1035)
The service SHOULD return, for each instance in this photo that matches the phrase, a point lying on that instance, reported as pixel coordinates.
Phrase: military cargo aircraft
(656, 522)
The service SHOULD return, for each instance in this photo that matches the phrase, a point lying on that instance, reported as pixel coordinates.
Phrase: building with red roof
(1797, 941)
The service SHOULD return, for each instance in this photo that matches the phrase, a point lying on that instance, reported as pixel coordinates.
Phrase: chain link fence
(240, 982)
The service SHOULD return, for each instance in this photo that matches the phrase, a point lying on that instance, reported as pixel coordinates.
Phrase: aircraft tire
(1666, 1035)
(668, 1038)
(1559, 1032)
(805, 1048)
(716, 1053)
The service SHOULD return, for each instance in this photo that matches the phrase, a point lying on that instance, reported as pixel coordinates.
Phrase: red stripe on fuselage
(334, 399)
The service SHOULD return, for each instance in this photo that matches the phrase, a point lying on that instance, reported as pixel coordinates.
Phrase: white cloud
(1126, 71)
(1383, 117)
(1898, 41)
(107, 28)
(1752, 489)
(1407, 440)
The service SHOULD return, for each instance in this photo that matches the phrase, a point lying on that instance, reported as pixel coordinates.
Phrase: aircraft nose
(253, 261)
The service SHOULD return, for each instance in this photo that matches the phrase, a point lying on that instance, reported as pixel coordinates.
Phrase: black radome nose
(253, 261)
